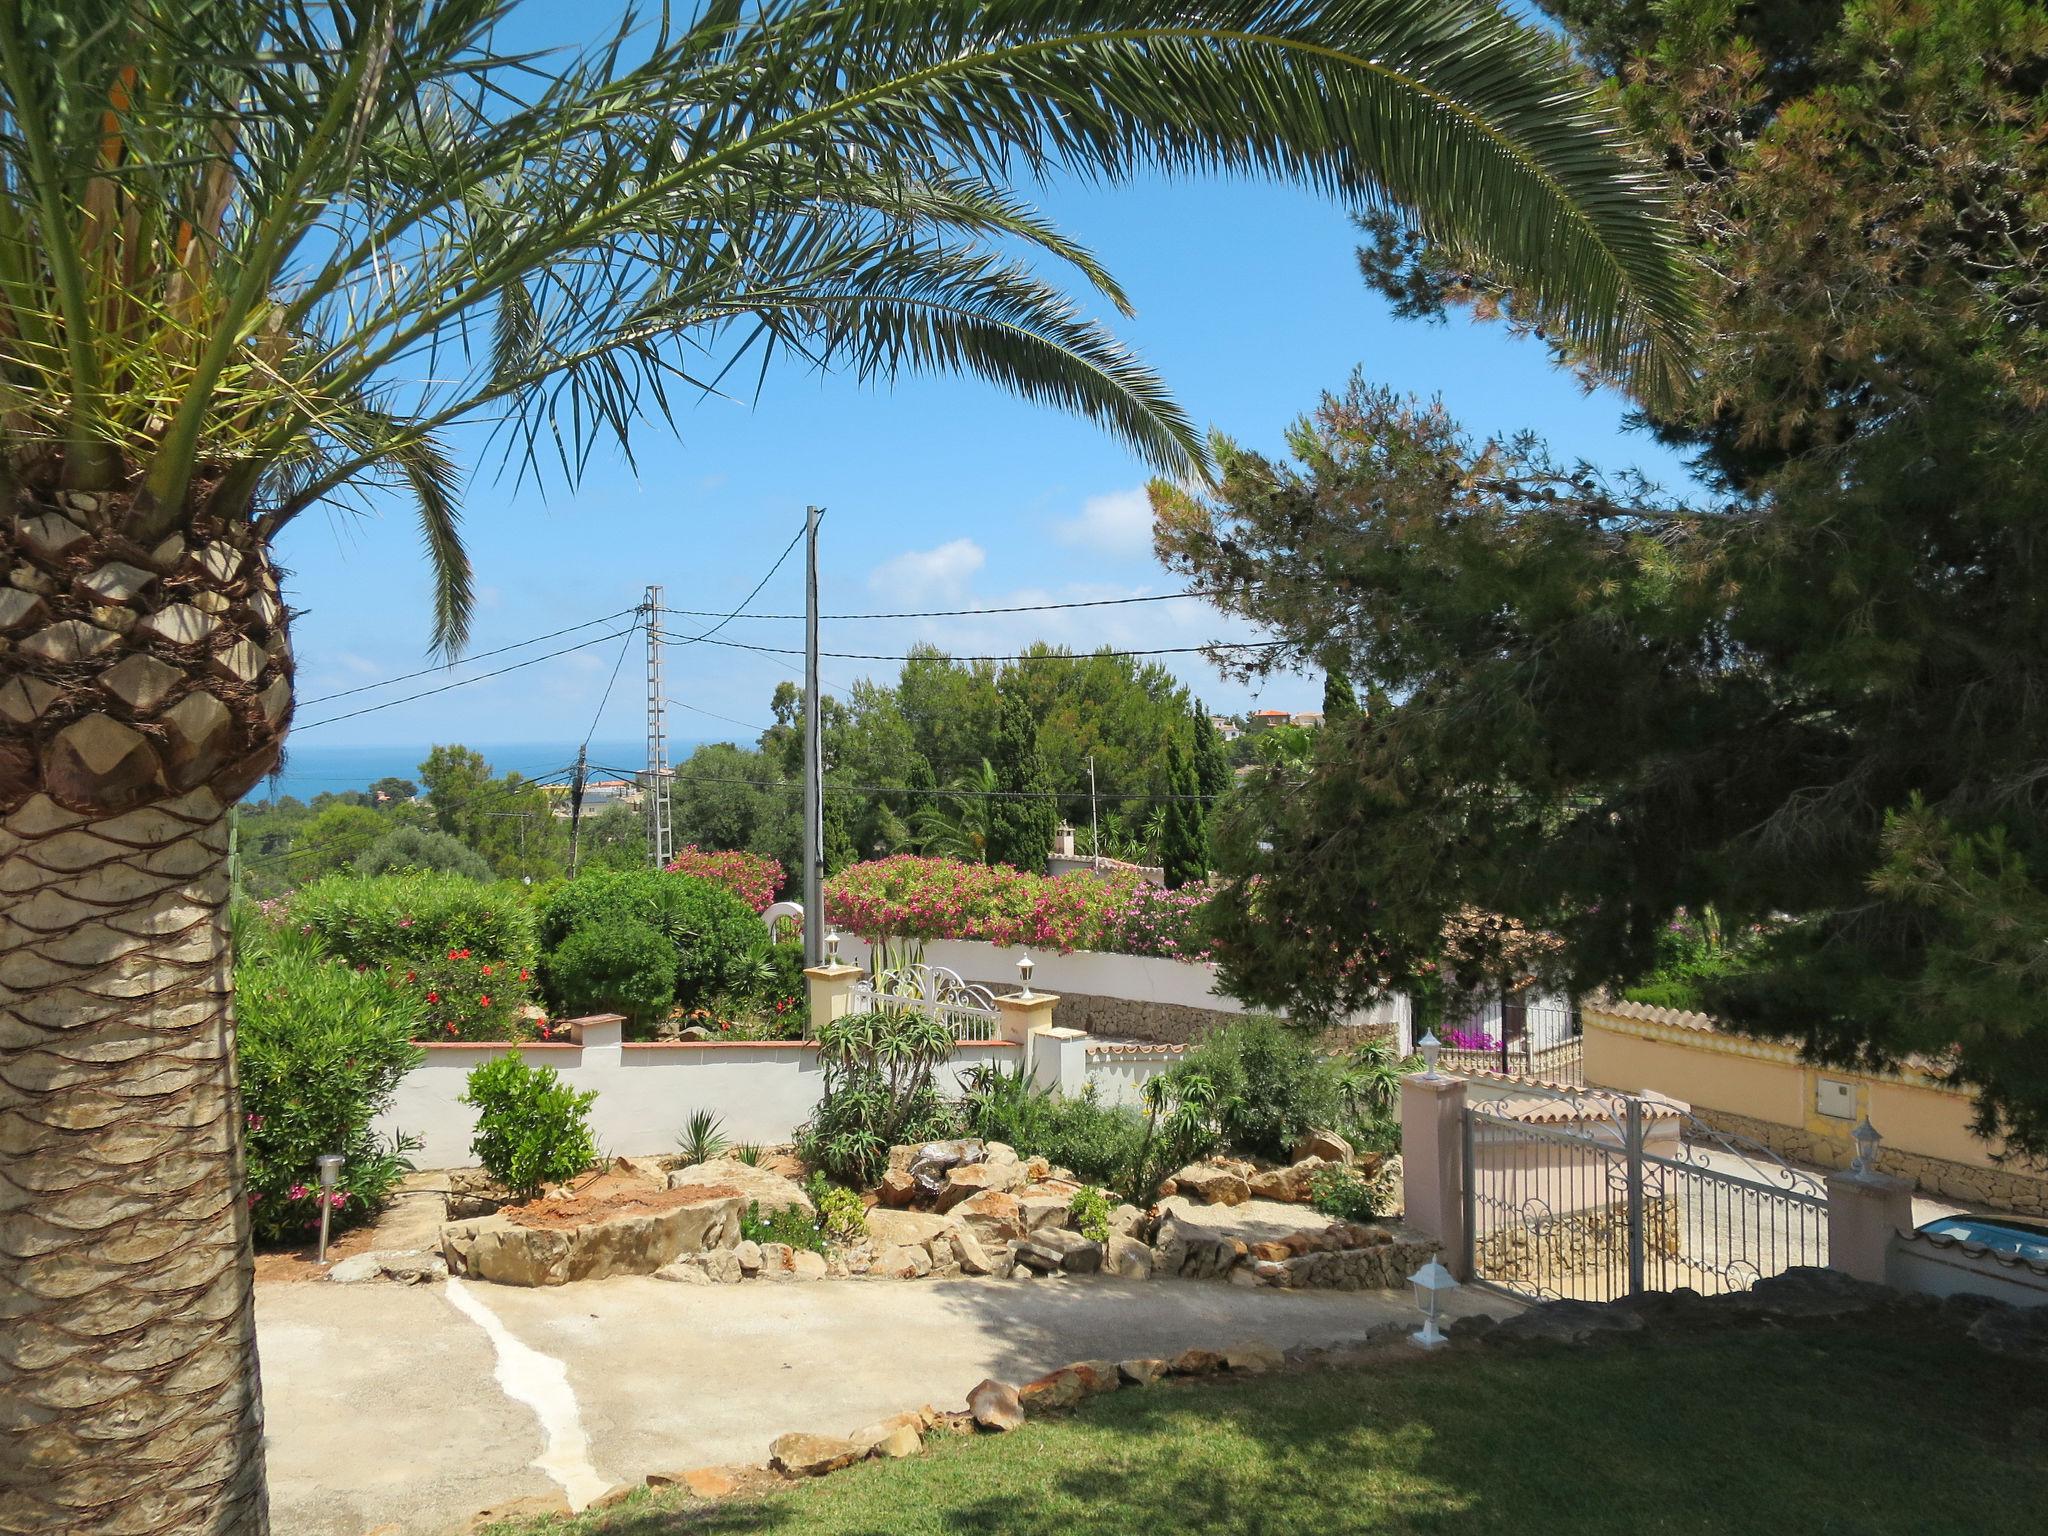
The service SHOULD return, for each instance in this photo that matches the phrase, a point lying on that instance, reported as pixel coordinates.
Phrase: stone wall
(2005, 1189)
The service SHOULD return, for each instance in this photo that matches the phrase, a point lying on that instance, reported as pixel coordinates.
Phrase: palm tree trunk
(141, 693)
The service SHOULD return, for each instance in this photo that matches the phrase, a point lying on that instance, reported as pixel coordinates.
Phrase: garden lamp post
(1866, 1138)
(831, 946)
(1025, 967)
(1432, 1283)
(1431, 1048)
(329, 1164)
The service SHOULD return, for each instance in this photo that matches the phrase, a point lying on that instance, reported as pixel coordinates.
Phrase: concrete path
(421, 1405)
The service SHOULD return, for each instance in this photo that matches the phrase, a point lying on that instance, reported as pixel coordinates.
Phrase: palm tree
(260, 256)
(960, 830)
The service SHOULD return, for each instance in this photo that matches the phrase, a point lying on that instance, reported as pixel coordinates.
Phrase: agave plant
(259, 257)
(703, 1137)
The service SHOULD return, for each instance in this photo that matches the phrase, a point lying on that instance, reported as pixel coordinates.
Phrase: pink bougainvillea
(752, 877)
(907, 897)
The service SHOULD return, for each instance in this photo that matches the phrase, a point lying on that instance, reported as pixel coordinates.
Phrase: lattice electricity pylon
(655, 782)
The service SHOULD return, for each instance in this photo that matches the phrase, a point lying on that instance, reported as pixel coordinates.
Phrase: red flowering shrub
(752, 877)
(906, 897)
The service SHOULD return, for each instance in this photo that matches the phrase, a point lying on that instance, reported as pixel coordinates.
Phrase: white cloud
(1119, 523)
(943, 571)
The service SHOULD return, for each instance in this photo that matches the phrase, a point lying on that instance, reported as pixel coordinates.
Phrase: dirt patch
(288, 1264)
(609, 1194)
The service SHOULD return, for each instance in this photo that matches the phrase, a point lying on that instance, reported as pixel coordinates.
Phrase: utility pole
(814, 756)
(1094, 828)
(576, 805)
(659, 838)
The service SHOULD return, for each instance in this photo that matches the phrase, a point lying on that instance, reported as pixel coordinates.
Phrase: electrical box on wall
(1836, 1098)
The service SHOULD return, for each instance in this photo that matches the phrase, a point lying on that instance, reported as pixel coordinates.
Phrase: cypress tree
(1020, 829)
(1184, 844)
(1340, 704)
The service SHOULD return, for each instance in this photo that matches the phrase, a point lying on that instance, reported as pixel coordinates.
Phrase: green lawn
(1824, 1429)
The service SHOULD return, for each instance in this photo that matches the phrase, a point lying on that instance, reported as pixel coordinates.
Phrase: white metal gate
(930, 989)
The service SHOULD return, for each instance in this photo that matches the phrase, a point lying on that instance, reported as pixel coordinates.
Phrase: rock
(613, 1496)
(806, 1265)
(1271, 1252)
(971, 1179)
(1128, 1221)
(779, 1261)
(897, 1189)
(640, 1243)
(901, 1262)
(1327, 1145)
(907, 1229)
(704, 1482)
(1565, 1322)
(1069, 1384)
(683, 1272)
(801, 1455)
(532, 1507)
(1195, 1362)
(771, 1190)
(1041, 1211)
(721, 1266)
(1056, 1248)
(874, 1434)
(1140, 1373)
(993, 1217)
(748, 1253)
(1212, 1185)
(1127, 1258)
(1288, 1185)
(972, 1257)
(352, 1271)
(935, 1158)
(995, 1405)
(2021, 1331)
(1252, 1357)
(900, 1442)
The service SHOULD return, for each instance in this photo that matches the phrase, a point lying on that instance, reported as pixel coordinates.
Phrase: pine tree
(1212, 762)
(1021, 824)
(1184, 843)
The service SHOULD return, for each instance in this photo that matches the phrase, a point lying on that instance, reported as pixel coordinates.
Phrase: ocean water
(315, 769)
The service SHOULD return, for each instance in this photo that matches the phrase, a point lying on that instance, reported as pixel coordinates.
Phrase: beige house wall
(1762, 1089)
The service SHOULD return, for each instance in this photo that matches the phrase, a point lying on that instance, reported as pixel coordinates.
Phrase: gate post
(1865, 1211)
(831, 992)
(1433, 1172)
(1637, 1280)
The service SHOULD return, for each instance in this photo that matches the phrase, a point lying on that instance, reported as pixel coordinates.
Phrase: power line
(625, 645)
(737, 612)
(1163, 650)
(698, 709)
(406, 677)
(907, 789)
(968, 613)
(427, 693)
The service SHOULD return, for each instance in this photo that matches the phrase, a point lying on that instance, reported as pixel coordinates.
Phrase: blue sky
(941, 492)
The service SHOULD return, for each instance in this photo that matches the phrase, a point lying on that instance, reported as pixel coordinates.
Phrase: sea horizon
(316, 768)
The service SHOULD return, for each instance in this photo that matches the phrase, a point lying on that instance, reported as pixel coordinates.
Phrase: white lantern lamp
(1866, 1138)
(832, 946)
(1431, 1048)
(1025, 966)
(329, 1164)
(1432, 1283)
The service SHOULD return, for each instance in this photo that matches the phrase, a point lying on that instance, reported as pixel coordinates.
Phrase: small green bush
(789, 1225)
(320, 1049)
(879, 1093)
(842, 1216)
(717, 939)
(1090, 1210)
(532, 1129)
(423, 850)
(619, 967)
(1344, 1194)
(1100, 1143)
(1272, 1085)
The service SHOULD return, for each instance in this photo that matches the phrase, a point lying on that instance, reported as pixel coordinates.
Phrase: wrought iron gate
(1595, 1195)
(931, 989)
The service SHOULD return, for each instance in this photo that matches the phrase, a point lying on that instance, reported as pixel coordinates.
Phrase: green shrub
(320, 1049)
(619, 967)
(879, 1093)
(703, 1137)
(717, 939)
(789, 1225)
(423, 850)
(1272, 1085)
(465, 951)
(1090, 1210)
(532, 1129)
(1094, 1141)
(1344, 1194)
(842, 1216)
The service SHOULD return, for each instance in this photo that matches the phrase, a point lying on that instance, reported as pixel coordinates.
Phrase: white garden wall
(763, 1091)
(1097, 973)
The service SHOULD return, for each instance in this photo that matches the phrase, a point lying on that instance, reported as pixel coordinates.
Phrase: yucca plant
(259, 257)
(703, 1137)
